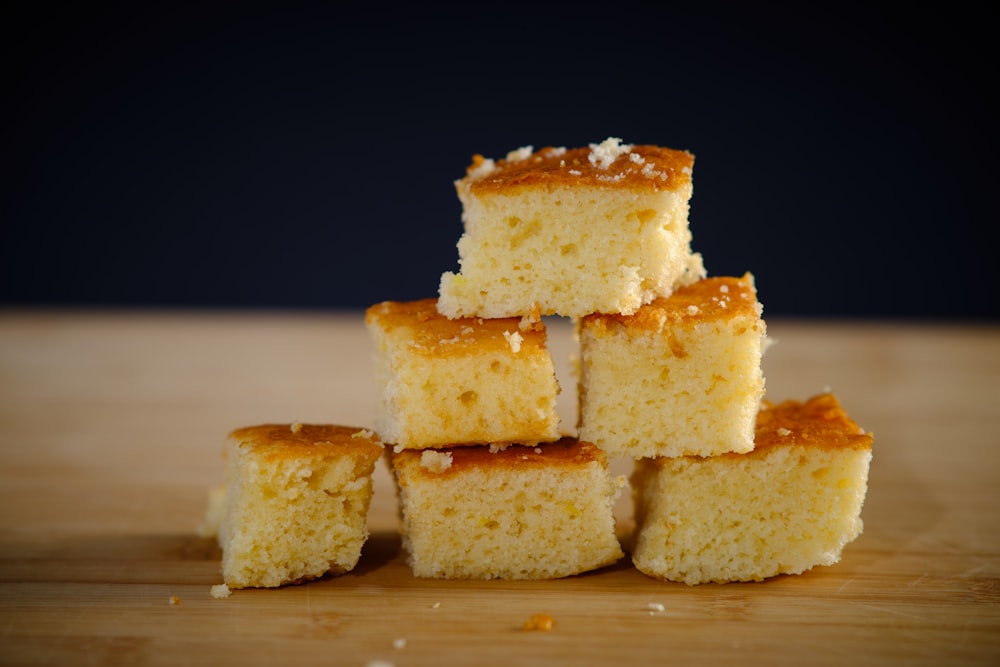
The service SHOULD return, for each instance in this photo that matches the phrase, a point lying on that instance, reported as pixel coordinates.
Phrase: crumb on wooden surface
(539, 622)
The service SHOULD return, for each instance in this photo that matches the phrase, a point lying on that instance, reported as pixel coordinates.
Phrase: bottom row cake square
(295, 502)
(791, 504)
(514, 512)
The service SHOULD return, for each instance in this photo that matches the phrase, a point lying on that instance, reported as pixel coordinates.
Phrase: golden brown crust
(281, 441)
(818, 422)
(434, 334)
(644, 167)
(709, 299)
(565, 452)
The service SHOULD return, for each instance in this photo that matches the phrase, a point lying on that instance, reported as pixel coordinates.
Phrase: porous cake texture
(569, 232)
(791, 504)
(443, 382)
(680, 376)
(296, 501)
(507, 513)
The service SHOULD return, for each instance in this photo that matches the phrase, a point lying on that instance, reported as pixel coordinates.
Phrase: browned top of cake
(608, 164)
(817, 422)
(565, 452)
(432, 333)
(716, 298)
(820, 422)
(277, 441)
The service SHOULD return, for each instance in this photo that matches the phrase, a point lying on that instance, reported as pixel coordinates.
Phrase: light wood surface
(111, 427)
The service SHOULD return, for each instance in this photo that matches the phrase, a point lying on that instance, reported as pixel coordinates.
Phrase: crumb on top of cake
(514, 339)
(434, 334)
(434, 460)
(609, 163)
(604, 154)
(715, 298)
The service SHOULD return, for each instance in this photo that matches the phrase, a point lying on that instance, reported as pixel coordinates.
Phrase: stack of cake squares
(726, 485)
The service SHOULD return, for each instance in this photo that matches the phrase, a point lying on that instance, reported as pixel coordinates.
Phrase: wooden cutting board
(111, 426)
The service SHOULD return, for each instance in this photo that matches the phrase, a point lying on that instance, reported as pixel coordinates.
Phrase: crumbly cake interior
(296, 502)
(512, 513)
(788, 506)
(680, 376)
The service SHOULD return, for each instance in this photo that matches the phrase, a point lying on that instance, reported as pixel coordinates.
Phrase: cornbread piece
(507, 513)
(680, 376)
(791, 504)
(444, 382)
(571, 232)
(296, 502)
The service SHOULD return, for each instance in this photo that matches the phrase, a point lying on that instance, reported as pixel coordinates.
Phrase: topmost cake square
(569, 232)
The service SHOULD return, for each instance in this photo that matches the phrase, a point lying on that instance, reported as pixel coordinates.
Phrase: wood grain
(111, 425)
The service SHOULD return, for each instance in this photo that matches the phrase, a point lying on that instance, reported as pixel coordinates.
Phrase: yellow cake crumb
(514, 339)
(220, 591)
(435, 461)
(543, 622)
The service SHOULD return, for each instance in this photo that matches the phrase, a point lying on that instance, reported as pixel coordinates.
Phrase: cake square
(296, 500)
(791, 504)
(570, 232)
(507, 513)
(680, 376)
(443, 382)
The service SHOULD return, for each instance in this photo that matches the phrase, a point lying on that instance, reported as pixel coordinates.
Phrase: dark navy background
(224, 155)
